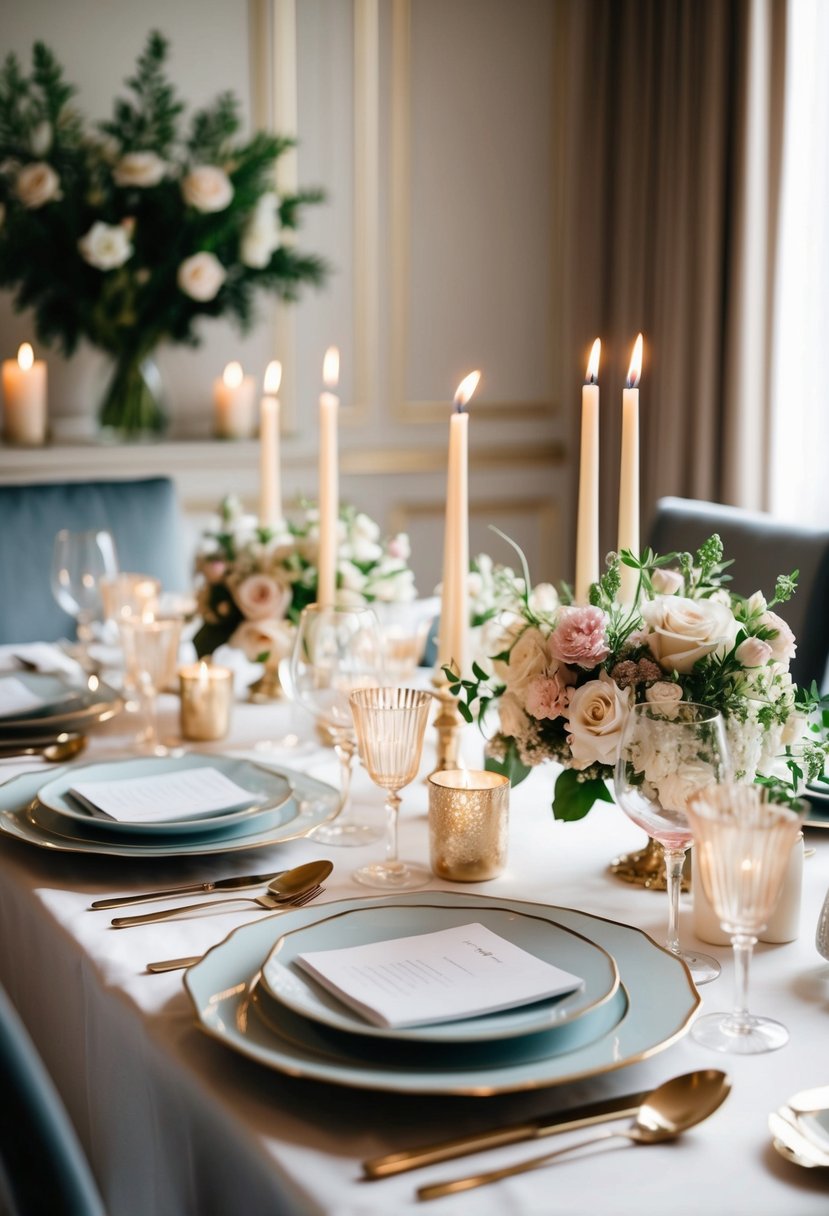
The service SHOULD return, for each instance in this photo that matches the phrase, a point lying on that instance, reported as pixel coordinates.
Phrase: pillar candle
(270, 503)
(234, 398)
(329, 501)
(24, 398)
(629, 474)
(453, 640)
(587, 528)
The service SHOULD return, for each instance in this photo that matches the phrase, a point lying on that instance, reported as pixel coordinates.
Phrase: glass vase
(133, 405)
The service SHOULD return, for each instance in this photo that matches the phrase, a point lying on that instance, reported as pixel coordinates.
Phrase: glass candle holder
(206, 697)
(468, 824)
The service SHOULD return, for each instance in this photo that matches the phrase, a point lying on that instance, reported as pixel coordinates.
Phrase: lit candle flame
(204, 674)
(233, 375)
(25, 356)
(592, 376)
(273, 378)
(331, 367)
(465, 389)
(635, 369)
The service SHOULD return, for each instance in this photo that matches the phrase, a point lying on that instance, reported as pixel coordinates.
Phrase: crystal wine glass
(150, 656)
(404, 626)
(743, 843)
(668, 751)
(80, 560)
(390, 724)
(337, 650)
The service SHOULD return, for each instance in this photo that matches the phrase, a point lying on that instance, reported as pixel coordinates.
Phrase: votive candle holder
(206, 699)
(468, 824)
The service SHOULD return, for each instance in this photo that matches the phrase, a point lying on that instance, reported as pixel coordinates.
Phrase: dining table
(176, 1123)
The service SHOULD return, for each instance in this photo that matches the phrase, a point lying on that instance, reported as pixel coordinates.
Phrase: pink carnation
(579, 637)
(547, 695)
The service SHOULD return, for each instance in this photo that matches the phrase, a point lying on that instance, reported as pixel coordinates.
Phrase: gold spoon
(280, 890)
(64, 747)
(669, 1110)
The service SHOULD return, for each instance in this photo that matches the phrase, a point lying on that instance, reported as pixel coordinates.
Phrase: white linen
(176, 1125)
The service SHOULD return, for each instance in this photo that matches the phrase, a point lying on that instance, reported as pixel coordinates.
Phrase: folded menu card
(436, 977)
(16, 698)
(187, 794)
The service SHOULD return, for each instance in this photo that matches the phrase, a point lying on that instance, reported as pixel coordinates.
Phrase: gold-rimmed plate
(67, 705)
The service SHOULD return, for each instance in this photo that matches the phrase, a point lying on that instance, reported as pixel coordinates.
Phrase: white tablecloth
(176, 1124)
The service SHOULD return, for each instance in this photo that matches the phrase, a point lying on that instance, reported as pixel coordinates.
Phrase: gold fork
(267, 900)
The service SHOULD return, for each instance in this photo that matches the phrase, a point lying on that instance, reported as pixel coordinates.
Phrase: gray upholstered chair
(42, 1165)
(762, 548)
(142, 515)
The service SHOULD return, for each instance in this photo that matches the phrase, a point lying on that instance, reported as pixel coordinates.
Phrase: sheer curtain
(799, 453)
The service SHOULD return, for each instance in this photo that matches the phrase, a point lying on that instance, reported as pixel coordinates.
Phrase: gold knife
(240, 883)
(513, 1133)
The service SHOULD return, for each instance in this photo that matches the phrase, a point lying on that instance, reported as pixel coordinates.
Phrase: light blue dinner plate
(661, 1002)
(287, 983)
(85, 703)
(269, 791)
(53, 692)
(313, 803)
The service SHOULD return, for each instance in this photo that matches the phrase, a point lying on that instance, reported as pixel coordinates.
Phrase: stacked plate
(276, 806)
(36, 707)
(251, 994)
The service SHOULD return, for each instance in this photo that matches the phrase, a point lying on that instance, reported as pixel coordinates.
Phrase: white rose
(782, 644)
(36, 185)
(350, 577)
(40, 140)
(665, 692)
(105, 246)
(201, 276)
(260, 598)
(140, 169)
(681, 631)
(756, 604)
(667, 582)
(364, 550)
(596, 715)
(753, 652)
(255, 638)
(544, 599)
(207, 188)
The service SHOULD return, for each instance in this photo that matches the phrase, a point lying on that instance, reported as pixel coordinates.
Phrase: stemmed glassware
(150, 655)
(390, 724)
(743, 842)
(337, 650)
(404, 626)
(79, 561)
(669, 751)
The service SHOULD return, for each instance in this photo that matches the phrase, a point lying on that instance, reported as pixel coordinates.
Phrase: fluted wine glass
(150, 646)
(669, 751)
(80, 560)
(337, 650)
(743, 843)
(390, 724)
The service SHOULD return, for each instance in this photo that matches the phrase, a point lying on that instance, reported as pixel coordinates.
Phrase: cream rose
(667, 582)
(36, 185)
(782, 644)
(106, 246)
(665, 692)
(753, 652)
(681, 631)
(207, 188)
(201, 276)
(260, 598)
(139, 169)
(529, 658)
(255, 638)
(596, 715)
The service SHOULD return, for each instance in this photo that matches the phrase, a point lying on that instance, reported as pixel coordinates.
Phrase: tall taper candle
(629, 475)
(587, 527)
(329, 495)
(270, 491)
(453, 640)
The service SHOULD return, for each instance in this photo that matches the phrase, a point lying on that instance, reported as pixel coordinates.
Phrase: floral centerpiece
(564, 677)
(130, 232)
(254, 582)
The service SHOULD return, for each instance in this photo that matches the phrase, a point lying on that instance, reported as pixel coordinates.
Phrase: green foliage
(510, 765)
(574, 796)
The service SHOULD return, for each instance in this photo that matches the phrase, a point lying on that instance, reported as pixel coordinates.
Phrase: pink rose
(753, 652)
(579, 637)
(261, 598)
(214, 571)
(547, 695)
(782, 644)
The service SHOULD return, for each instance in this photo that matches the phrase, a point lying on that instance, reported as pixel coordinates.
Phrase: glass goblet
(337, 650)
(150, 659)
(390, 724)
(80, 560)
(668, 751)
(743, 843)
(404, 626)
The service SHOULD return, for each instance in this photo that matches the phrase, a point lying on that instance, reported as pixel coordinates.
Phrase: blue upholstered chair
(142, 515)
(42, 1165)
(762, 547)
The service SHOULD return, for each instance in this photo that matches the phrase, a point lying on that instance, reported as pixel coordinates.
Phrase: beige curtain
(672, 141)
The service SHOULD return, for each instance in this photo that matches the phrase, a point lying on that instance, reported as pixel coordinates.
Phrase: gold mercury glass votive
(206, 698)
(468, 824)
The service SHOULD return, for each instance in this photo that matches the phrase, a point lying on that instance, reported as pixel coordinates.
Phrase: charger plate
(86, 704)
(271, 789)
(223, 990)
(313, 803)
(288, 984)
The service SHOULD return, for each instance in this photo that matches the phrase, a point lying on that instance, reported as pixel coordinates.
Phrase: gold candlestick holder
(448, 724)
(269, 686)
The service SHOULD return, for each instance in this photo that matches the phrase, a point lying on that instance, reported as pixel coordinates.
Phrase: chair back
(762, 548)
(142, 516)
(42, 1165)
